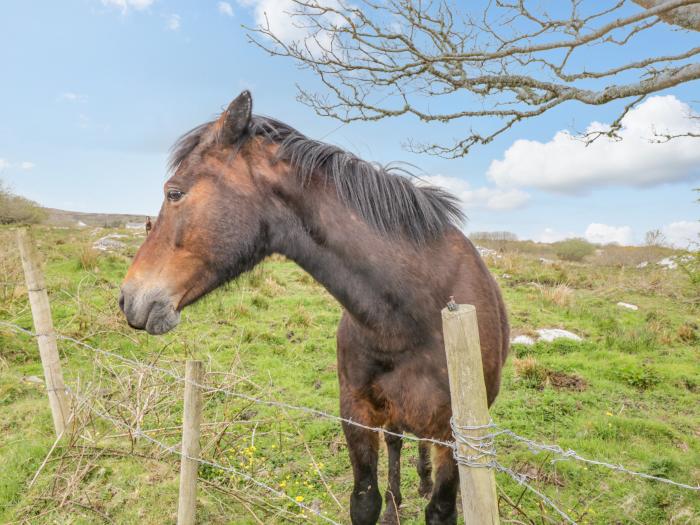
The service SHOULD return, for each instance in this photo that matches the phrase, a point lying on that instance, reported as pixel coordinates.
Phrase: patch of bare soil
(564, 381)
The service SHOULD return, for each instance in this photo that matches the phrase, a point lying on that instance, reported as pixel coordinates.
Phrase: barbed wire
(174, 450)
(246, 397)
(481, 445)
(534, 446)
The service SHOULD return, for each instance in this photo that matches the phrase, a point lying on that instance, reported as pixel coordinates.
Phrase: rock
(33, 379)
(550, 334)
(546, 262)
(628, 306)
(668, 262)
(108, 243)
(81, 224)
(135, 225)
(486, 252)
(643, 264)
(506, 276)
(523, 340)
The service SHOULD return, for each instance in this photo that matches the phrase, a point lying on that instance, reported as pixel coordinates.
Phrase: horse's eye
(175, 195)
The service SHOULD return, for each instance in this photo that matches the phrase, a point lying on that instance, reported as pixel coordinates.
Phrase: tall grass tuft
(560, 295)
(87, 258)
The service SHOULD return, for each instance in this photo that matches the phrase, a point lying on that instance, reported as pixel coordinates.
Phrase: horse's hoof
(434, 515)
(390, 516)
(425, 489)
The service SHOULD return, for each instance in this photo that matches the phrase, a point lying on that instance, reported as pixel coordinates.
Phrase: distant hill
(75, 218)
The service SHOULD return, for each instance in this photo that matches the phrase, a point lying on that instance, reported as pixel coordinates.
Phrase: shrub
(573, 249)
(18, 210)
(690, 265)
(640, 377)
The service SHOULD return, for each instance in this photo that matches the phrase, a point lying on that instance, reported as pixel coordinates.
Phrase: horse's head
(210, 227)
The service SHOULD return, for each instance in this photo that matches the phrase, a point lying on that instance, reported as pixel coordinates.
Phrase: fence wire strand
(174, 450)
(479, 439)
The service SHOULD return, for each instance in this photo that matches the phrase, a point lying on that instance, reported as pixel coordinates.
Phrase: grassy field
(628, 393)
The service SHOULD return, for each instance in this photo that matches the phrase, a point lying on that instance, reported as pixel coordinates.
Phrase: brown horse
(244, 187)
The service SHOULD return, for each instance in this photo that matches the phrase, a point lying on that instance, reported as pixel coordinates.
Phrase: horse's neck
(351, 260)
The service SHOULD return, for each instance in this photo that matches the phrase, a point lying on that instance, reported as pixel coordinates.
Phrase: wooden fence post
(187, 503)
(43, 326)
(469, 409)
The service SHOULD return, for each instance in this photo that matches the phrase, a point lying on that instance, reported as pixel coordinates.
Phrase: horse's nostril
(121, 301)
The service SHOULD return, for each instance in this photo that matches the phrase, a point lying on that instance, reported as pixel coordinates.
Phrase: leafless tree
(654, 238)
(500, 61)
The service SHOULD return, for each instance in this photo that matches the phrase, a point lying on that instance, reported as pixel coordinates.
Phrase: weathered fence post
(469, 410)
(43, 326)
(194, 372)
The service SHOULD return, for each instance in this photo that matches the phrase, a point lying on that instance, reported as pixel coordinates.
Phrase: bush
(573, 249)
(18, 210)
(640, 377)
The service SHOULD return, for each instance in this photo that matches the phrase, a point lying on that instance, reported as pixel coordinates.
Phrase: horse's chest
(415, 397)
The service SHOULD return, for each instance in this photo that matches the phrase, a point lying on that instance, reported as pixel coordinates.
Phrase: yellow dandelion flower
(299, 499)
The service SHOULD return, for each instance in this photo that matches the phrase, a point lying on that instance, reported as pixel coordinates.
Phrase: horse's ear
(237, 117)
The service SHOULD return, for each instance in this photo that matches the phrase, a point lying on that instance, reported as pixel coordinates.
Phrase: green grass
(273, 333)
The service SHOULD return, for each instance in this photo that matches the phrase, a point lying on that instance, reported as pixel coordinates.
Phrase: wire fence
(480, 440)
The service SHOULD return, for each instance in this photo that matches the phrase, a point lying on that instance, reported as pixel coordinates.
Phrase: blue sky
(94, 92)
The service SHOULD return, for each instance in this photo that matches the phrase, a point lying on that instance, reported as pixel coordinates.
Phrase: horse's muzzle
(151, 310)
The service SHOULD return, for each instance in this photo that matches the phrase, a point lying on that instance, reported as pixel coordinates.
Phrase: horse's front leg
(393, 493)
(442, 509)
(425, 469)
(363, 445)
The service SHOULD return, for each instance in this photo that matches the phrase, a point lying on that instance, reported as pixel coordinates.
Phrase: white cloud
(550, 235)
(605, 234)
(140, 4)
(483, 197)
(279, 17)
(565, 164)
(125, 5)
(225, 8)
(72, 97)
(682, 234)
(24, 165)
(173, 22)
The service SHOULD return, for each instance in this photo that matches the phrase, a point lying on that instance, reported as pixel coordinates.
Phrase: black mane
(385, 197)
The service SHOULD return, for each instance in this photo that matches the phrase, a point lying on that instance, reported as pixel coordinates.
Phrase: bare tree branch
(501, 63)
(686, 16)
